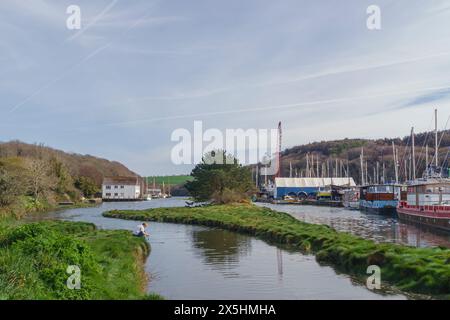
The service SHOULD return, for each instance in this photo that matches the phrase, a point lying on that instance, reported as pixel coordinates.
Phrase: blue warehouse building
(299, 187)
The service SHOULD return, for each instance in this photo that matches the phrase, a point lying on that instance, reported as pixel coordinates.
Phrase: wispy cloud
(435, 96)
(139, 69)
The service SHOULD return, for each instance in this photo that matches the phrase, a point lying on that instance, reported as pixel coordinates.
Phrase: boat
(148, 198)
(380, 199)
(350, 198)
(324, 193)
(428, 203)
(288, 198)
(427, 199)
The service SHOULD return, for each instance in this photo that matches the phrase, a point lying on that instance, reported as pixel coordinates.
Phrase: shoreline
(422, 271)
(117, 259)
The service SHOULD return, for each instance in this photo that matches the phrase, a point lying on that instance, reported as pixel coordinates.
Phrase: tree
(64, 182)
(39, 179)
(221, 179)
(11, 187)
(87, 186)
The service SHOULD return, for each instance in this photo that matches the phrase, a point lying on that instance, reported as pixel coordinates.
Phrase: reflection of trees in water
(220, 247)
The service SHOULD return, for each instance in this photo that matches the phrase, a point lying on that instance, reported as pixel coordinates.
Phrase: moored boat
(380, 199)
(427, 202)
(428, 199)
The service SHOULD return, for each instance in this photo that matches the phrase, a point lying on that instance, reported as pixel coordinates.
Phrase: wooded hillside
(35, 177)
(379, 150)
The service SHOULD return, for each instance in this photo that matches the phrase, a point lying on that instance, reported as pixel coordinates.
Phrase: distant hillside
(36, 177)
(77, 164)
(379, 150)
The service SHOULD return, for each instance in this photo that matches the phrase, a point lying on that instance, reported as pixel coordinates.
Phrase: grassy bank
(419, 270)
(34, 258)
(27, 205)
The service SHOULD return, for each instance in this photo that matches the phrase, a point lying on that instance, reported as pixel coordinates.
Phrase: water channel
(194, 262)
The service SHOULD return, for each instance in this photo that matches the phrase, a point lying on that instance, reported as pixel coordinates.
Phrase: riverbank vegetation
(418, 270)
(34, 258)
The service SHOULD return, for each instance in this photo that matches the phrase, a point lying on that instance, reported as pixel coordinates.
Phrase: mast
(435, 138)
(307, 166)
(367, 175)
(361, 158)
(395, 162)
(280, 137)
(317, 158)
(413, 155)
(348, 170)
(337, 173)
(374, 175)
(378, 173)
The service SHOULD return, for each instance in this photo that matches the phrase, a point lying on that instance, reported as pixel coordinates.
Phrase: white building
(121, 188)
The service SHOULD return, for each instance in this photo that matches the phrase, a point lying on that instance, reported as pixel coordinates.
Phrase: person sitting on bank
(141, 232)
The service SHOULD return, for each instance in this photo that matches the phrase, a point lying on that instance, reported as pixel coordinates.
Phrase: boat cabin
(382, 192)
(429, 194)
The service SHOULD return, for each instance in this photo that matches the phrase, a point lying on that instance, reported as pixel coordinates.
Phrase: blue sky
(139, 69)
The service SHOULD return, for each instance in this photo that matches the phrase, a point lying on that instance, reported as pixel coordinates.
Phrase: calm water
(369, 226)
(193, 262)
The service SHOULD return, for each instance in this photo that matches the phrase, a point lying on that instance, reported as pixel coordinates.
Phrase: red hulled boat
(427, 202)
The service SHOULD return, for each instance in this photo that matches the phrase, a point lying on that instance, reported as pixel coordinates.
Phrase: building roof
(121, 180)
(313, 182)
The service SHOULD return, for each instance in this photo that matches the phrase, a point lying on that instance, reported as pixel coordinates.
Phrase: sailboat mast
(317, 158)
(307, 165)
(395, 162)
(413, 155)
(435, 138)
(361, 157)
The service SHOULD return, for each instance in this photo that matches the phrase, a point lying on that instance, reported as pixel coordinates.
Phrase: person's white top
(140, 228)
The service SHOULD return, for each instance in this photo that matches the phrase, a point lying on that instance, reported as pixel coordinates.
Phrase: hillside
(77, 164)
(379, 150)
(36, 177)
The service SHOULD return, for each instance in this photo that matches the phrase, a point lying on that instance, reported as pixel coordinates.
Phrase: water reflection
(220, 249)
(370, 226)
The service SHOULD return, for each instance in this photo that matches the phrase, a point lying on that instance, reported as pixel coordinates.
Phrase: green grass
(34, 258)
(417, 270)
(172, 180)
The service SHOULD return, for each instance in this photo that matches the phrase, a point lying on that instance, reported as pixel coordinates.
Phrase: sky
(137, 70)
